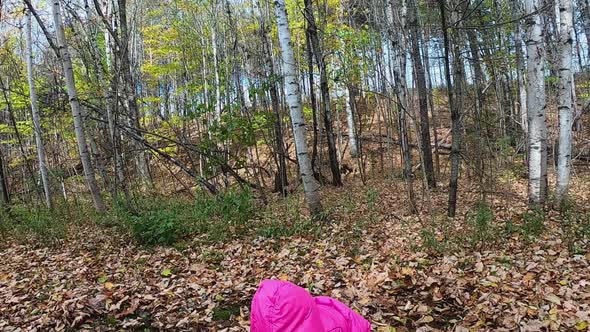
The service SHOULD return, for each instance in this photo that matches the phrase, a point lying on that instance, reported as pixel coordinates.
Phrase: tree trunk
(455, 93)
(422, 95)
(479, 106)
(349, 107)
(4, 194)
(325, 93)
(43, 169)
(281, 180)
(565, 99)
(520, 74)
(76, 112)
(293, 96)
(398, 12)
(536, 106)
(130, 91)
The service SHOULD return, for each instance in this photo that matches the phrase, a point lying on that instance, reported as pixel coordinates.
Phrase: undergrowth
(483, 230)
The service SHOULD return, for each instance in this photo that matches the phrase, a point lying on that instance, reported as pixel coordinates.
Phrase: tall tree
(455, 92)
(68, 71)
(43, 168)
(536, 103)
(324, 92)
(293, 98)
(397, 16)
(415, 37)
(565, 99)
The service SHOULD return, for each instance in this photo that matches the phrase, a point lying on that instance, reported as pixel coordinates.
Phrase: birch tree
(293, 98)
(35, 113)
(536, 103)
(565, 99)
(349, 106)
(68, 71)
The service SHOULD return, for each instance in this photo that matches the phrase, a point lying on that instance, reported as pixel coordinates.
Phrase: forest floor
(500, 272)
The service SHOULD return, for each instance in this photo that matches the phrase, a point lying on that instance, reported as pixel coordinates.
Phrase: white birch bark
(293, 98)
(217, 81)
(75, 105)
(522, 96)
(536, 105)
(565, 99)
(352, 141)
(35, 113)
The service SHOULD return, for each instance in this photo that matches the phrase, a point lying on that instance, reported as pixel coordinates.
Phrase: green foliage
(159, 221)
(575, 226)
(226, 312)
(480, 225)
(430, 241)
(284, 218)
(222, 217)
(372, 198)
(38, 224)
(158, 225)
(533, 224)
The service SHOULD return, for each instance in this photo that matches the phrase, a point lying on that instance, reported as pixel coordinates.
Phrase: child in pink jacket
(280, 306)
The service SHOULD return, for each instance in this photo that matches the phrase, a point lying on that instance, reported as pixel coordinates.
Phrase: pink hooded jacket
(280, 306)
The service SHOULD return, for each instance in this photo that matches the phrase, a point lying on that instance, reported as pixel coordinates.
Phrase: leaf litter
(370, 257)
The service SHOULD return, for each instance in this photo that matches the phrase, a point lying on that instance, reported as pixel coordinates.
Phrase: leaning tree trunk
(35, 112)
(536, 106)
(565, 99)
(293, 97)
(422, 95)
(75, 105)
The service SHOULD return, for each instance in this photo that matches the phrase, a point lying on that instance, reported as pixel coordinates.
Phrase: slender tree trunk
(479, 105)
(4, 194)
(455, 92)
(565, 99)
(520, 74)
(352, 140)
(218, 103)
(398, 16)
(422, 95)
(325, 93)
(281, 180)
(536, 106)
(43, 169)
(76, 112)
(130, 88)
(313, 102)
(293, 96)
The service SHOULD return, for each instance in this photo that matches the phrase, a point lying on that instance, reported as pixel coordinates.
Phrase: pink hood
(280, 306)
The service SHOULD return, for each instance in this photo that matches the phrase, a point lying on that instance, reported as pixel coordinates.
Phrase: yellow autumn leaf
(582, 325)
(108, 285)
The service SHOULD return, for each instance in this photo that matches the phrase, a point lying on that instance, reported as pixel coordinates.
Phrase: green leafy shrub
(40, 224)
(156, 221)
(533, 224)
(575, 226)
(480, 225)
(430, 242)
(163, 221)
